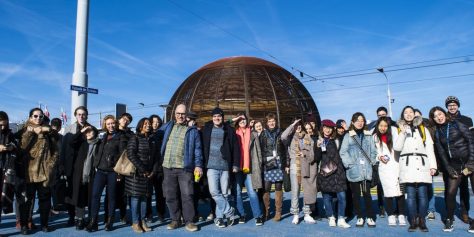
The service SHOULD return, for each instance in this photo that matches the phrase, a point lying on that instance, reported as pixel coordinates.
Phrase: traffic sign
(82, 89)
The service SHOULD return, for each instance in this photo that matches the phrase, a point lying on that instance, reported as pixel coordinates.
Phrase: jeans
(138, 209)
(175, 182)
(101, 179)
(431, 198)
(341, 203)
(219, 187)
(246, 179)
(412, 189)
(295, 191)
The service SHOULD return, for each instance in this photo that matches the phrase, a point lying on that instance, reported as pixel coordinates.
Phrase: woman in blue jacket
(358, 154)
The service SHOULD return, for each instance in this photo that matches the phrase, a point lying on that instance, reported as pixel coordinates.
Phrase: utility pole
(79, 77)
(389, 95)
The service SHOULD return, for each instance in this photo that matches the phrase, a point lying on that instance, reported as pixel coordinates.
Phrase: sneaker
(296, 220)
(148, 220)
(448, 225)
(392, 220)
(191, 227)
(360, 222)
(242, 220)
(471, 227)
(210, 217)
(309, 219)
(332, 221)
(370, 222)
(173, 225)
(402, 220)
(431, 216)
(258, 221)
(341, 222)
(219, 222)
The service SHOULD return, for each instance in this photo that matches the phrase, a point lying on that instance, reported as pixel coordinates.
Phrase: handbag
(271, 163)
(328, 168)
(124, 166)
(375, 168)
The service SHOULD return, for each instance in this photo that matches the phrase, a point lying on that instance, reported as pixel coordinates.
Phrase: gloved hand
(452, 172)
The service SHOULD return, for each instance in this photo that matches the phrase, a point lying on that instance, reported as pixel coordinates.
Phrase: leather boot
(422, 224)
(278, 205)
(109, 225)
(266, 206)
(413, 225)
(92, 226)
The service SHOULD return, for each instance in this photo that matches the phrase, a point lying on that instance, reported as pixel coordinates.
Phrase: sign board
(82, 89)
(120, 109)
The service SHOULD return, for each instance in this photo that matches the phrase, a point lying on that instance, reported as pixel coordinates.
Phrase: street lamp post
(389, 96)
(164, 107)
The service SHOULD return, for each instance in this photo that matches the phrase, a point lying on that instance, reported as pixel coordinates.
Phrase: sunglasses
(38, 116)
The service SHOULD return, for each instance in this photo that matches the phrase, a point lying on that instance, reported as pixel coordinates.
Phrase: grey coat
(256, 156)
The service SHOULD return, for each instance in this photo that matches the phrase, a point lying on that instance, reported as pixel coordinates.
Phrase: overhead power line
(393, 83)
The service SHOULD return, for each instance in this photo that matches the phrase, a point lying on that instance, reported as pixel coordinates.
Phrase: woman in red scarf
(250, 174)
(384, 137)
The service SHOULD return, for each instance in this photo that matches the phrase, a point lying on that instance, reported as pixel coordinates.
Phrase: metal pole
(79, 77)
(389, 96)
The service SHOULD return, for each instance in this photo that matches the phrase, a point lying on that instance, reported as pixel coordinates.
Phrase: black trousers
(44, 202)
(160, 200)
(177, 184)
(362, 189)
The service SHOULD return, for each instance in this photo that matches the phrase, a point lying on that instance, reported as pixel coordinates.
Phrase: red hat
(328, 123)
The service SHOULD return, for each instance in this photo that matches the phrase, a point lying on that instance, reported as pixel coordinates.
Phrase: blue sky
(140, 51)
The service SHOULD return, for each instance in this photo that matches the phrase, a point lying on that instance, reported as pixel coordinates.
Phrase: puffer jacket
(41, 154)
(455, 145)
(416, 157)
(267, 145)
(139, 150)
(358, 168)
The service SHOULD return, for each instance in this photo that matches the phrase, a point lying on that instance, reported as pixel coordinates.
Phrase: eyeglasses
(38, 116)
(180, 114)
(452, 105)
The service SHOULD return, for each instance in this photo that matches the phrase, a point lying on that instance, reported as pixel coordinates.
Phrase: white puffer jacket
(416, 157)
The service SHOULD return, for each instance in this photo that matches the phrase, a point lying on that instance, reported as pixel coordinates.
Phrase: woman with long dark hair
(389, 171)
(112, 144)
(138, 186)
(417, 165)
(358, 154)
(455, 147)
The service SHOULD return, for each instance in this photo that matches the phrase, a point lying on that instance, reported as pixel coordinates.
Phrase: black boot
(80, 224)
(109, 225)
(92, 226)
(25, 230)
(413, 225)
(422, 224)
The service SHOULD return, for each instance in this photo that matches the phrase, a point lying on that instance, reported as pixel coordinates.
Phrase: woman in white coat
(389, 170)
(417, 165)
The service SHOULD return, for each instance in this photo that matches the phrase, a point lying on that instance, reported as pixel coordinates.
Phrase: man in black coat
(452, 104)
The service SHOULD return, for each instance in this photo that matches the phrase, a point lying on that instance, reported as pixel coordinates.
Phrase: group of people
(180, 163)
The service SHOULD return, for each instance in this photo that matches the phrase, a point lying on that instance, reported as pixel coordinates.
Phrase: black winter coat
(230, 147)
(139, 150)
(267, 145)
(461, 146)
(81, 193)
(335, 182)
(109, 151)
